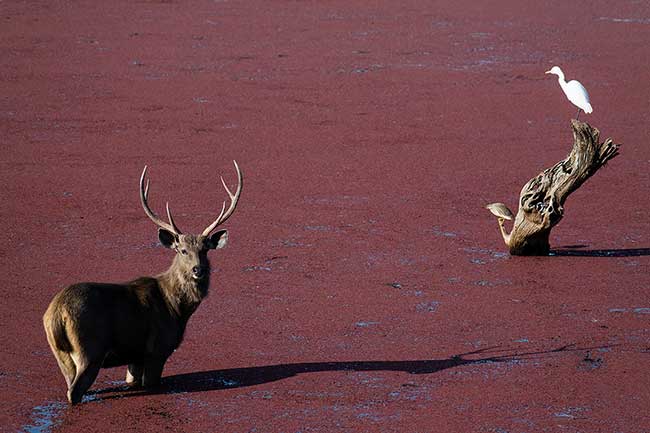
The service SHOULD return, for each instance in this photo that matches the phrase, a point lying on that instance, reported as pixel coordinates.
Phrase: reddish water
(365, 287)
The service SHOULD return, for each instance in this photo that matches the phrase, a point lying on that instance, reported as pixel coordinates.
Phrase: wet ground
(365, 287)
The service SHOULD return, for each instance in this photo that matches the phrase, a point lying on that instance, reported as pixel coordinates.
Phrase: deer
(140, 323)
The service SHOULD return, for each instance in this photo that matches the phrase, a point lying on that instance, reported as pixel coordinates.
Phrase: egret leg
(578, 115)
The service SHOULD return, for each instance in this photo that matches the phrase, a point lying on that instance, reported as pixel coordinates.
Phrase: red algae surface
(365, 287)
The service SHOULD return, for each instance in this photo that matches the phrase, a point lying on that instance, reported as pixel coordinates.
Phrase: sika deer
(140, 323)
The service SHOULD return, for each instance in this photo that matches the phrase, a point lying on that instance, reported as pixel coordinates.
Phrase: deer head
(191, 261)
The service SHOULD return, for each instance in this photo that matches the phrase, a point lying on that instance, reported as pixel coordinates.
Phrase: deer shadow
(574, 250)
(214, 380)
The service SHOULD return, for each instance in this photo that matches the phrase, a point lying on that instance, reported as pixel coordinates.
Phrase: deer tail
(55, 327)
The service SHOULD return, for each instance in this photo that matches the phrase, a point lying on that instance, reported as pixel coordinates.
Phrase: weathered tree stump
(542, 199)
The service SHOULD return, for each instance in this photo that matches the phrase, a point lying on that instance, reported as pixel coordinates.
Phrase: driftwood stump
(542, 199)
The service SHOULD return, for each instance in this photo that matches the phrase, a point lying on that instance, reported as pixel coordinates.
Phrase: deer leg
(63, 359)
(152, 371)
(134, 374)
(86, 374)
(66, 365)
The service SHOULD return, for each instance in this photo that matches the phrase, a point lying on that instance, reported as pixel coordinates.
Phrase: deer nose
(197, 271)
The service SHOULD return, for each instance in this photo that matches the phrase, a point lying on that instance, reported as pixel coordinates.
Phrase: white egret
(574, 91)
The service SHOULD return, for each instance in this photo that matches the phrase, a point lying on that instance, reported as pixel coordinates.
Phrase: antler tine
(223, 182)
(144, 193)
(171, 220)
(223, 208)
(234, 198)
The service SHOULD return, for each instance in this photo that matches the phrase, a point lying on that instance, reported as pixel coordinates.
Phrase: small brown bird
(502, 212)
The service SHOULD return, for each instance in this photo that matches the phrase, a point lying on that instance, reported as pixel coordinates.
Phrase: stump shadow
(214, 380)
(624, 252)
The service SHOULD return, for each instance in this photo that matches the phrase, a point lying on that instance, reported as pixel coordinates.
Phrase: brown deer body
(99, 325)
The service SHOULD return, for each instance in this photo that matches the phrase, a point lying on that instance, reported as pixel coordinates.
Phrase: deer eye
(184, 252)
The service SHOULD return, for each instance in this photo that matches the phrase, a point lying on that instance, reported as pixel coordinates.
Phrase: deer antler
(233, 203)
(144, 193)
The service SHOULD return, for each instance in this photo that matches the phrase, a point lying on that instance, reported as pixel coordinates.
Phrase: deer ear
(217, 240)
(167, 238)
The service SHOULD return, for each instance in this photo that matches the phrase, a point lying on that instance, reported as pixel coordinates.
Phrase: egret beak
(547, 72)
